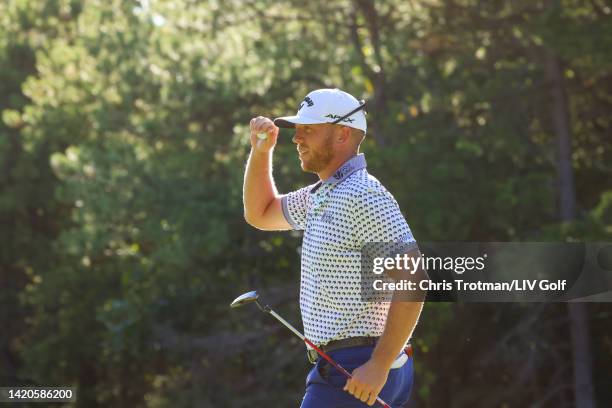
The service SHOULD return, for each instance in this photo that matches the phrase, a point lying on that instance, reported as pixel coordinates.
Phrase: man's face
(315, 146)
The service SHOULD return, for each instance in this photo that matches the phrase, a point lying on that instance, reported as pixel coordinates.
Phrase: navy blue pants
(324, 383)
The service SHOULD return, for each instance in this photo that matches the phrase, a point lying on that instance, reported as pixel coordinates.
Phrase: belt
(346, 343)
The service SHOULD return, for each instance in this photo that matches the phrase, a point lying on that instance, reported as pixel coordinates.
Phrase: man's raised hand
(264, 134)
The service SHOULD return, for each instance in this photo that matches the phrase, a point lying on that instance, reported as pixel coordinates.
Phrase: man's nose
(297, 138)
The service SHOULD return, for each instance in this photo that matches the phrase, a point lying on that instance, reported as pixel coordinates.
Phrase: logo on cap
(308, 101)
(332, 116)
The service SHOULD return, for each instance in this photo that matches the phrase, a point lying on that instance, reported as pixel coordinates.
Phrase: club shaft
(318, 350)
(287, 325)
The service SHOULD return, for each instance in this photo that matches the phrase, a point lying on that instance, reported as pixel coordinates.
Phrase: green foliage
(123, 138)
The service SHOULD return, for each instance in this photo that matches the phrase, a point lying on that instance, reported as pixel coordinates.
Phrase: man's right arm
(262, 203)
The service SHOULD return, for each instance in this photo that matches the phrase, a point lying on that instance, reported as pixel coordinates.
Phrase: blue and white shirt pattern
(339, 215)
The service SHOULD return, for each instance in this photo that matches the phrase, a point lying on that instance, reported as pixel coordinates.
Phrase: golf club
(253, 297)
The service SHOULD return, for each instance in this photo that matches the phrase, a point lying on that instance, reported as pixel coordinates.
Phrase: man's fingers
(261, 124)
(372, 399)
(358, 390)
(364, 395)
(350, 386)
(267, 129)
(256, 124)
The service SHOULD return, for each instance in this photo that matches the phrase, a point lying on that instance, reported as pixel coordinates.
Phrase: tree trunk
(578, 316)
(584, 394)
(375, 73)
(560, 119)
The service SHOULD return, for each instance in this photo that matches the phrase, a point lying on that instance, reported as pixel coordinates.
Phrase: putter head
(243, 299)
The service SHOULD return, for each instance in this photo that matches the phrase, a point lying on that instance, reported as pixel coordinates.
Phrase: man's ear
(345, 134)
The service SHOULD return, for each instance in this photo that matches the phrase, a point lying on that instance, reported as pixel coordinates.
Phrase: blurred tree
(123, 141)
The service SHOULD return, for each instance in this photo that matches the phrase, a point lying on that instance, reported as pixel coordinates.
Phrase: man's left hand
(368, 379)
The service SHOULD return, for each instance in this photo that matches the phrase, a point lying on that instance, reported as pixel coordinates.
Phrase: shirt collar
(353, 164)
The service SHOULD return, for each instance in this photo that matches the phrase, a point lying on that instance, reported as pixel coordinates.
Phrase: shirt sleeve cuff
(286, 213)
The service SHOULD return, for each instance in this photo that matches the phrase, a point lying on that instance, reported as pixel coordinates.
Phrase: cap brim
(291, 121)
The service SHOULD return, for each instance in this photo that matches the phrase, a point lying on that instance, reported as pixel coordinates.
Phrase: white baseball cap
(327, 106)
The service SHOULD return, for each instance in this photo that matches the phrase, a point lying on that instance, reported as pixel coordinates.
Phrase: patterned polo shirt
(339, 215)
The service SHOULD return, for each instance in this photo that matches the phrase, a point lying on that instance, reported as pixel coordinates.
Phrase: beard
(316, 160)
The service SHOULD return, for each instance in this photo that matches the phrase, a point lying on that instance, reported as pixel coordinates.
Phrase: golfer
(339, 214)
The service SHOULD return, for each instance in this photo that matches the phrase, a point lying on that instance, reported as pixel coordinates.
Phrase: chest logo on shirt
(327, 218)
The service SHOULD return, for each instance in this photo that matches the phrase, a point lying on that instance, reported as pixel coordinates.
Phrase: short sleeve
(378, 218)
(295, 206)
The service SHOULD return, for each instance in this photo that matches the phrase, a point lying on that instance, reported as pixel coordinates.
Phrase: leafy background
(123, 138)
